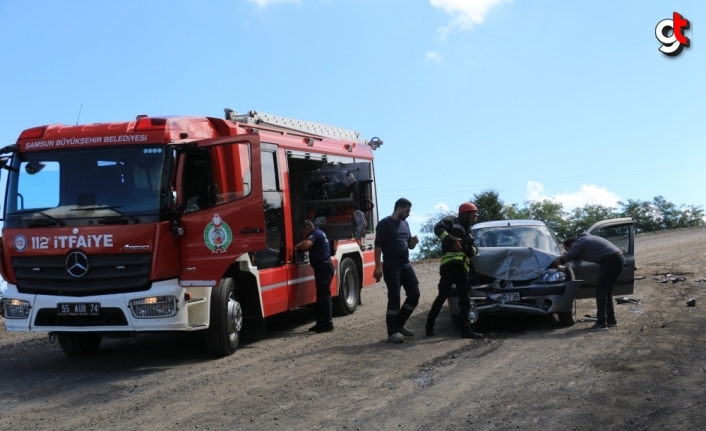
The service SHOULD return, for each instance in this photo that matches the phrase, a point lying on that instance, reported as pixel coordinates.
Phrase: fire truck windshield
(88, 183)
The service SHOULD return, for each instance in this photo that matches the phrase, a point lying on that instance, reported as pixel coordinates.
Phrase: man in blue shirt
(393, 241)
(316, 243)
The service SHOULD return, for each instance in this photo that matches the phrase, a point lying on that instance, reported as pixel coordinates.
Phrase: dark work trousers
(323, 273)
(607, 276)
(396, 275)
(450, 275)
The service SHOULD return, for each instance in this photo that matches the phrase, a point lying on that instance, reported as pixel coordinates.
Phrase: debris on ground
(636, 311)
(691, 302)
(626, 300)
(669, 279)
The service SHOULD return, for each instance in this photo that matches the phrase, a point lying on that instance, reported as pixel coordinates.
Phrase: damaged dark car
(513, 274)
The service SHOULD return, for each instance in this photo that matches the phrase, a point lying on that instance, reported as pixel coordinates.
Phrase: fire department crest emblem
(217, 235)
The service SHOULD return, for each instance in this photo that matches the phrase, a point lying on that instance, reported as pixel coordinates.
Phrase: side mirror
(34, 167)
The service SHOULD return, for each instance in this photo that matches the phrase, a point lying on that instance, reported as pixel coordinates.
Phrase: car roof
(508, 223)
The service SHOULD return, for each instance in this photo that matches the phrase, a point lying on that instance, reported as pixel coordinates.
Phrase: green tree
(552, 214)
(514, 212)
(691, 215)
(661, 214)
(642, 213)
(583, 218)
(490, 207)
(430, 245)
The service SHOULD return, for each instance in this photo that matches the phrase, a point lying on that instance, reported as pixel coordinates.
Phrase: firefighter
(393, 241)
(457, 251)
(314, 240)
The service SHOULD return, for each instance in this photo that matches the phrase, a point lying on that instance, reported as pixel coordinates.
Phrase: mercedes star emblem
(77, 264)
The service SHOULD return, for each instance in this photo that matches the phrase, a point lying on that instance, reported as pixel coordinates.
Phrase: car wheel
(348, 289)
(79, 343)
(568, 319)
(223, 333)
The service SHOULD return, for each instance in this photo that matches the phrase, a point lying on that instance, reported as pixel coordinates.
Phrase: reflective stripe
(451, 256)
(444, 234)
(457, 256)
(392, 312)
(408, 307)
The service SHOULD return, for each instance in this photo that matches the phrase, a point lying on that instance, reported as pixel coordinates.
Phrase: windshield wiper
(45, 223)
(107, 220)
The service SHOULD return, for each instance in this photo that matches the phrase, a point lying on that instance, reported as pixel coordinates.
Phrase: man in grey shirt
(598, 250)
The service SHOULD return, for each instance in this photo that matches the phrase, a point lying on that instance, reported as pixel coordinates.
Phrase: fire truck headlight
(154, 307)
(15, 308)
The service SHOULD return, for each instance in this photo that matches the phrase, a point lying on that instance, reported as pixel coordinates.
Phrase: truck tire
(223, 333)
(348, 289)
(79, 343)
(568, 319)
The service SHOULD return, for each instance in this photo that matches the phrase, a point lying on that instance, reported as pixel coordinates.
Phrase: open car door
(220, 191)
(621, 233)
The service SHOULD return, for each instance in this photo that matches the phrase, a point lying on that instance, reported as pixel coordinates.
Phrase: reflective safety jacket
(449, 229)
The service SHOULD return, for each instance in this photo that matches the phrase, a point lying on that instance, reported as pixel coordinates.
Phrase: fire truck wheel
(348, 290)
(79, 343)
(223, 333)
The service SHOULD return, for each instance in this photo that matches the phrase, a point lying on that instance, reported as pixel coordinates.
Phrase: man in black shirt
(314, 240)
(393, 241)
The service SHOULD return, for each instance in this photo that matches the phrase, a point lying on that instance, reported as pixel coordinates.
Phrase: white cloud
(441, 206)
(421, 217)
(588, 194)
(433, 56)
(264, 3)
(465, 13)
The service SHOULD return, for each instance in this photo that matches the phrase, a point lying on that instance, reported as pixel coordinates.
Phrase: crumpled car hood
(512, 263)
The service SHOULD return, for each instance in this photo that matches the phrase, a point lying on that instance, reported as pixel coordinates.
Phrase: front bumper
(115, 314)
(543, 299)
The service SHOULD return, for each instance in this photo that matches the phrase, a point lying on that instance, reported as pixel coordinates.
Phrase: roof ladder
(254, 117)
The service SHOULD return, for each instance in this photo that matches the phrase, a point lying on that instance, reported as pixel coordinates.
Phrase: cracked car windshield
(86, 183)
(537, 237)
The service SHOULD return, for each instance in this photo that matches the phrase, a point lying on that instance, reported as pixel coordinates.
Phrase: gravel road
(529, 372)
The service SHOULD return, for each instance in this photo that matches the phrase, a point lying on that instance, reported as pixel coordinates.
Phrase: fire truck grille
(107, 273)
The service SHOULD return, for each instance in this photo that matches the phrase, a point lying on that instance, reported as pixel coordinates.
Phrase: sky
(536, 99)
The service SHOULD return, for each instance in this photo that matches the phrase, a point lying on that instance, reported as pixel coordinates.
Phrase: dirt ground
(529, 373)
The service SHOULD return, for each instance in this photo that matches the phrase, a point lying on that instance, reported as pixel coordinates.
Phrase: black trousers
(323, 273)
(450, 275)
(607, 276)
(396, 276)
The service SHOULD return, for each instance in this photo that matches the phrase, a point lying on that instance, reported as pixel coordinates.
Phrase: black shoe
(612, 324)
(429, 327)
(470, 334)
(598, 327)
(314, 328)
(324, 328)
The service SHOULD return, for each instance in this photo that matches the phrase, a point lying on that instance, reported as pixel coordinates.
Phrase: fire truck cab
(180, 224)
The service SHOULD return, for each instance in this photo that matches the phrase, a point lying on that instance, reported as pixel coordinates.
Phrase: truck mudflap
(165, 307)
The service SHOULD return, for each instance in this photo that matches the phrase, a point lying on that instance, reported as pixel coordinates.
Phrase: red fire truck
(180, 224)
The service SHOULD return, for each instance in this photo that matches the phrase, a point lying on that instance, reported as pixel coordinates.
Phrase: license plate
(79, 309)
(504, 297)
